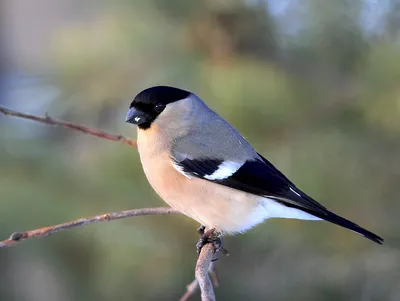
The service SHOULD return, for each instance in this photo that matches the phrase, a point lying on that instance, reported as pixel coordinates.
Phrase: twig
(21, 236)
(193, 287)
(214, 273)
(201, 272)
(78, 127)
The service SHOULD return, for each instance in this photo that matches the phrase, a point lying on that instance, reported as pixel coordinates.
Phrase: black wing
(261, 178)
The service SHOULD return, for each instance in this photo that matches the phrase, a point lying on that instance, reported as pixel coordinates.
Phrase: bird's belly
(226, 210)
(212, 205)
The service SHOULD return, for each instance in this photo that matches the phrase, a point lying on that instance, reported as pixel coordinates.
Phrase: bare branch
(201, 272)
(78, 127)
(214, 273)
(21, 236)
(193, 287)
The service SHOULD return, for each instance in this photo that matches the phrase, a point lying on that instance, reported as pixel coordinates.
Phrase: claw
(201, 229)
(213, 237)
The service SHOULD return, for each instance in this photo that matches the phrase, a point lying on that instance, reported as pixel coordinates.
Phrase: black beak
(135, 116)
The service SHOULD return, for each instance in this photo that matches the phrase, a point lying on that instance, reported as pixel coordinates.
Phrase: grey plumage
(210, 136)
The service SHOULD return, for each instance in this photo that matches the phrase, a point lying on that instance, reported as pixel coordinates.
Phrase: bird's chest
(156, 162)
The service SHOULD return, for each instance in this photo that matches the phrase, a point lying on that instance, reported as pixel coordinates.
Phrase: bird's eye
(159, 107)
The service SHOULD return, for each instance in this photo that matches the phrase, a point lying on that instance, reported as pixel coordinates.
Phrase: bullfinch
(202, 166)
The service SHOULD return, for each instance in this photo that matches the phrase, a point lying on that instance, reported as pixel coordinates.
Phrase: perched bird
(200, 165)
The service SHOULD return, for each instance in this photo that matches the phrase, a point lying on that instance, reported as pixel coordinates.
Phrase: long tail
(307, 204)
(340, 221)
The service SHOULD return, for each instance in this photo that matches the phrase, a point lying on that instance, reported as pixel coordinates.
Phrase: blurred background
(314, 85)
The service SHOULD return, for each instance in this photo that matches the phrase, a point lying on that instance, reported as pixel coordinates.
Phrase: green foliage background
(315, 88)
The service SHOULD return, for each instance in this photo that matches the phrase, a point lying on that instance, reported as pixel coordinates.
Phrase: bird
(200, 165)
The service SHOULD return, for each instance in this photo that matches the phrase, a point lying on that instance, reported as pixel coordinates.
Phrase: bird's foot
(210, 236)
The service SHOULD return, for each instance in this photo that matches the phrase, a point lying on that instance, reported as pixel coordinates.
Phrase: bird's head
(149, 104)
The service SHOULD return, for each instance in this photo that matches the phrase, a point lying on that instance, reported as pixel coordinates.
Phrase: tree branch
(201, 272)
(78, 127)
(41, 232)
(193, 287)
(205, 263)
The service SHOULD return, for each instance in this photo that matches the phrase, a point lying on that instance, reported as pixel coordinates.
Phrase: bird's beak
(135, 116)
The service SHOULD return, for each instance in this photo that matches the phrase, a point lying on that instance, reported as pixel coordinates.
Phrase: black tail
(307, 204)
(336, 219)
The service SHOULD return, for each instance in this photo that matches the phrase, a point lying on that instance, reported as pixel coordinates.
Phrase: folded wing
(261, 178)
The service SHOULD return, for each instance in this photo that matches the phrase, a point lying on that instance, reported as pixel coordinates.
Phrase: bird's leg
(210, 236)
